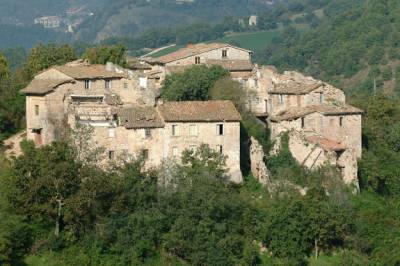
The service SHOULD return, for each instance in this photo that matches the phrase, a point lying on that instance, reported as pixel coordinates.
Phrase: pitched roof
(192, 50)
(295, 87)
(196, 111)
(88, 72)
(233, 65)
(325, 109)
(140, 117)
(326, 144)
(43, 86)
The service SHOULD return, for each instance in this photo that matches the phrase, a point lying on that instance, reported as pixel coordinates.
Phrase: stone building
(235, 59)
(49, 22)
(322, 127)
(120, 106)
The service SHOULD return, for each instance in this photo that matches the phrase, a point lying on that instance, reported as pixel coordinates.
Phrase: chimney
(109, 66)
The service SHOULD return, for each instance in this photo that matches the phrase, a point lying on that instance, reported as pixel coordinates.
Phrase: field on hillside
(252, 41)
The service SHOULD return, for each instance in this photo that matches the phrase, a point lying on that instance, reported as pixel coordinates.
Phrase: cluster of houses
(123, 107)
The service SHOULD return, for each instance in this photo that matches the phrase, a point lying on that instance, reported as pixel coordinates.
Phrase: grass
(253, 41)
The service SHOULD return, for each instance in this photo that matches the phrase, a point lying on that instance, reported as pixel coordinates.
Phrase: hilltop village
(129, 118)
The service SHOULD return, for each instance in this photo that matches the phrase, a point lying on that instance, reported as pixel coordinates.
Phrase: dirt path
(12, 144)
(157, 50)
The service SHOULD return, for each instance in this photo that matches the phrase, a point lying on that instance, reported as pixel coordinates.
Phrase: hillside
(356, 49)
(96, 20)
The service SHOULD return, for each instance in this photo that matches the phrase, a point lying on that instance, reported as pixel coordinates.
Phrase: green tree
(44, 56)
(228, 89)
(193, 84)
(103, 54)
(4, 71)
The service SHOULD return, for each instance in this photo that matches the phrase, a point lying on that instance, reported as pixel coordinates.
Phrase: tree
(4, 71)
(42, 57)
(193, 84)
(228, 89)
(103, 54)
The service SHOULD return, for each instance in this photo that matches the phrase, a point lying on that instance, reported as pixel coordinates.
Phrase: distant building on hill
(253, 20)
(48, 21)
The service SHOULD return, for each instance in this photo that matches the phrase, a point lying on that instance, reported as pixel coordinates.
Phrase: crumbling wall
(258, 167)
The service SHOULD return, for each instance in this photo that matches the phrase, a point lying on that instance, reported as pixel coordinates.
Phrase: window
(220, 149)
(193, 130)
(321, 97)
(224, 53)
(220, 129)
(303, 122)
(36, 110)
(175, 151)
(175, 130)
(341, 121)
(111, 155)
(107, 84)
(145, 154)
(111, 132)
(87, 84)
(341, 170)
(147, 133)
(197, 60)
(125, 85)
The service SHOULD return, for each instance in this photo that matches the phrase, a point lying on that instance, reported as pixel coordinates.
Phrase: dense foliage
(358, 45)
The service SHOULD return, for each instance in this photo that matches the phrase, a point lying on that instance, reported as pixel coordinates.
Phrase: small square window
(111, 155)
(147, 133)
(175, 130)
(220, 129)
(193, 130)
(108, 84)
(36, 110)
(87, 84)
(145, 154)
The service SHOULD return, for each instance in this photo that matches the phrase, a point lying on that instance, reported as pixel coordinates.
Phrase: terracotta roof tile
(295, 87)
(140, 117)
(326, 144)
(233, 65)
(325, 109)
(196, 111)
(191, 50)
(89, 72)
(43, 86)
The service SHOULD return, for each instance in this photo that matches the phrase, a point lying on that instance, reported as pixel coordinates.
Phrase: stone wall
(233, 54)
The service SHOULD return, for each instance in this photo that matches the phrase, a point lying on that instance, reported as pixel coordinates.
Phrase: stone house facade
(323, 128)
(235, 59)
(120, 106)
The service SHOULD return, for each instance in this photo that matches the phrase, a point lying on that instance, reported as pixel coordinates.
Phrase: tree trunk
(57, 229)
(316, 248)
